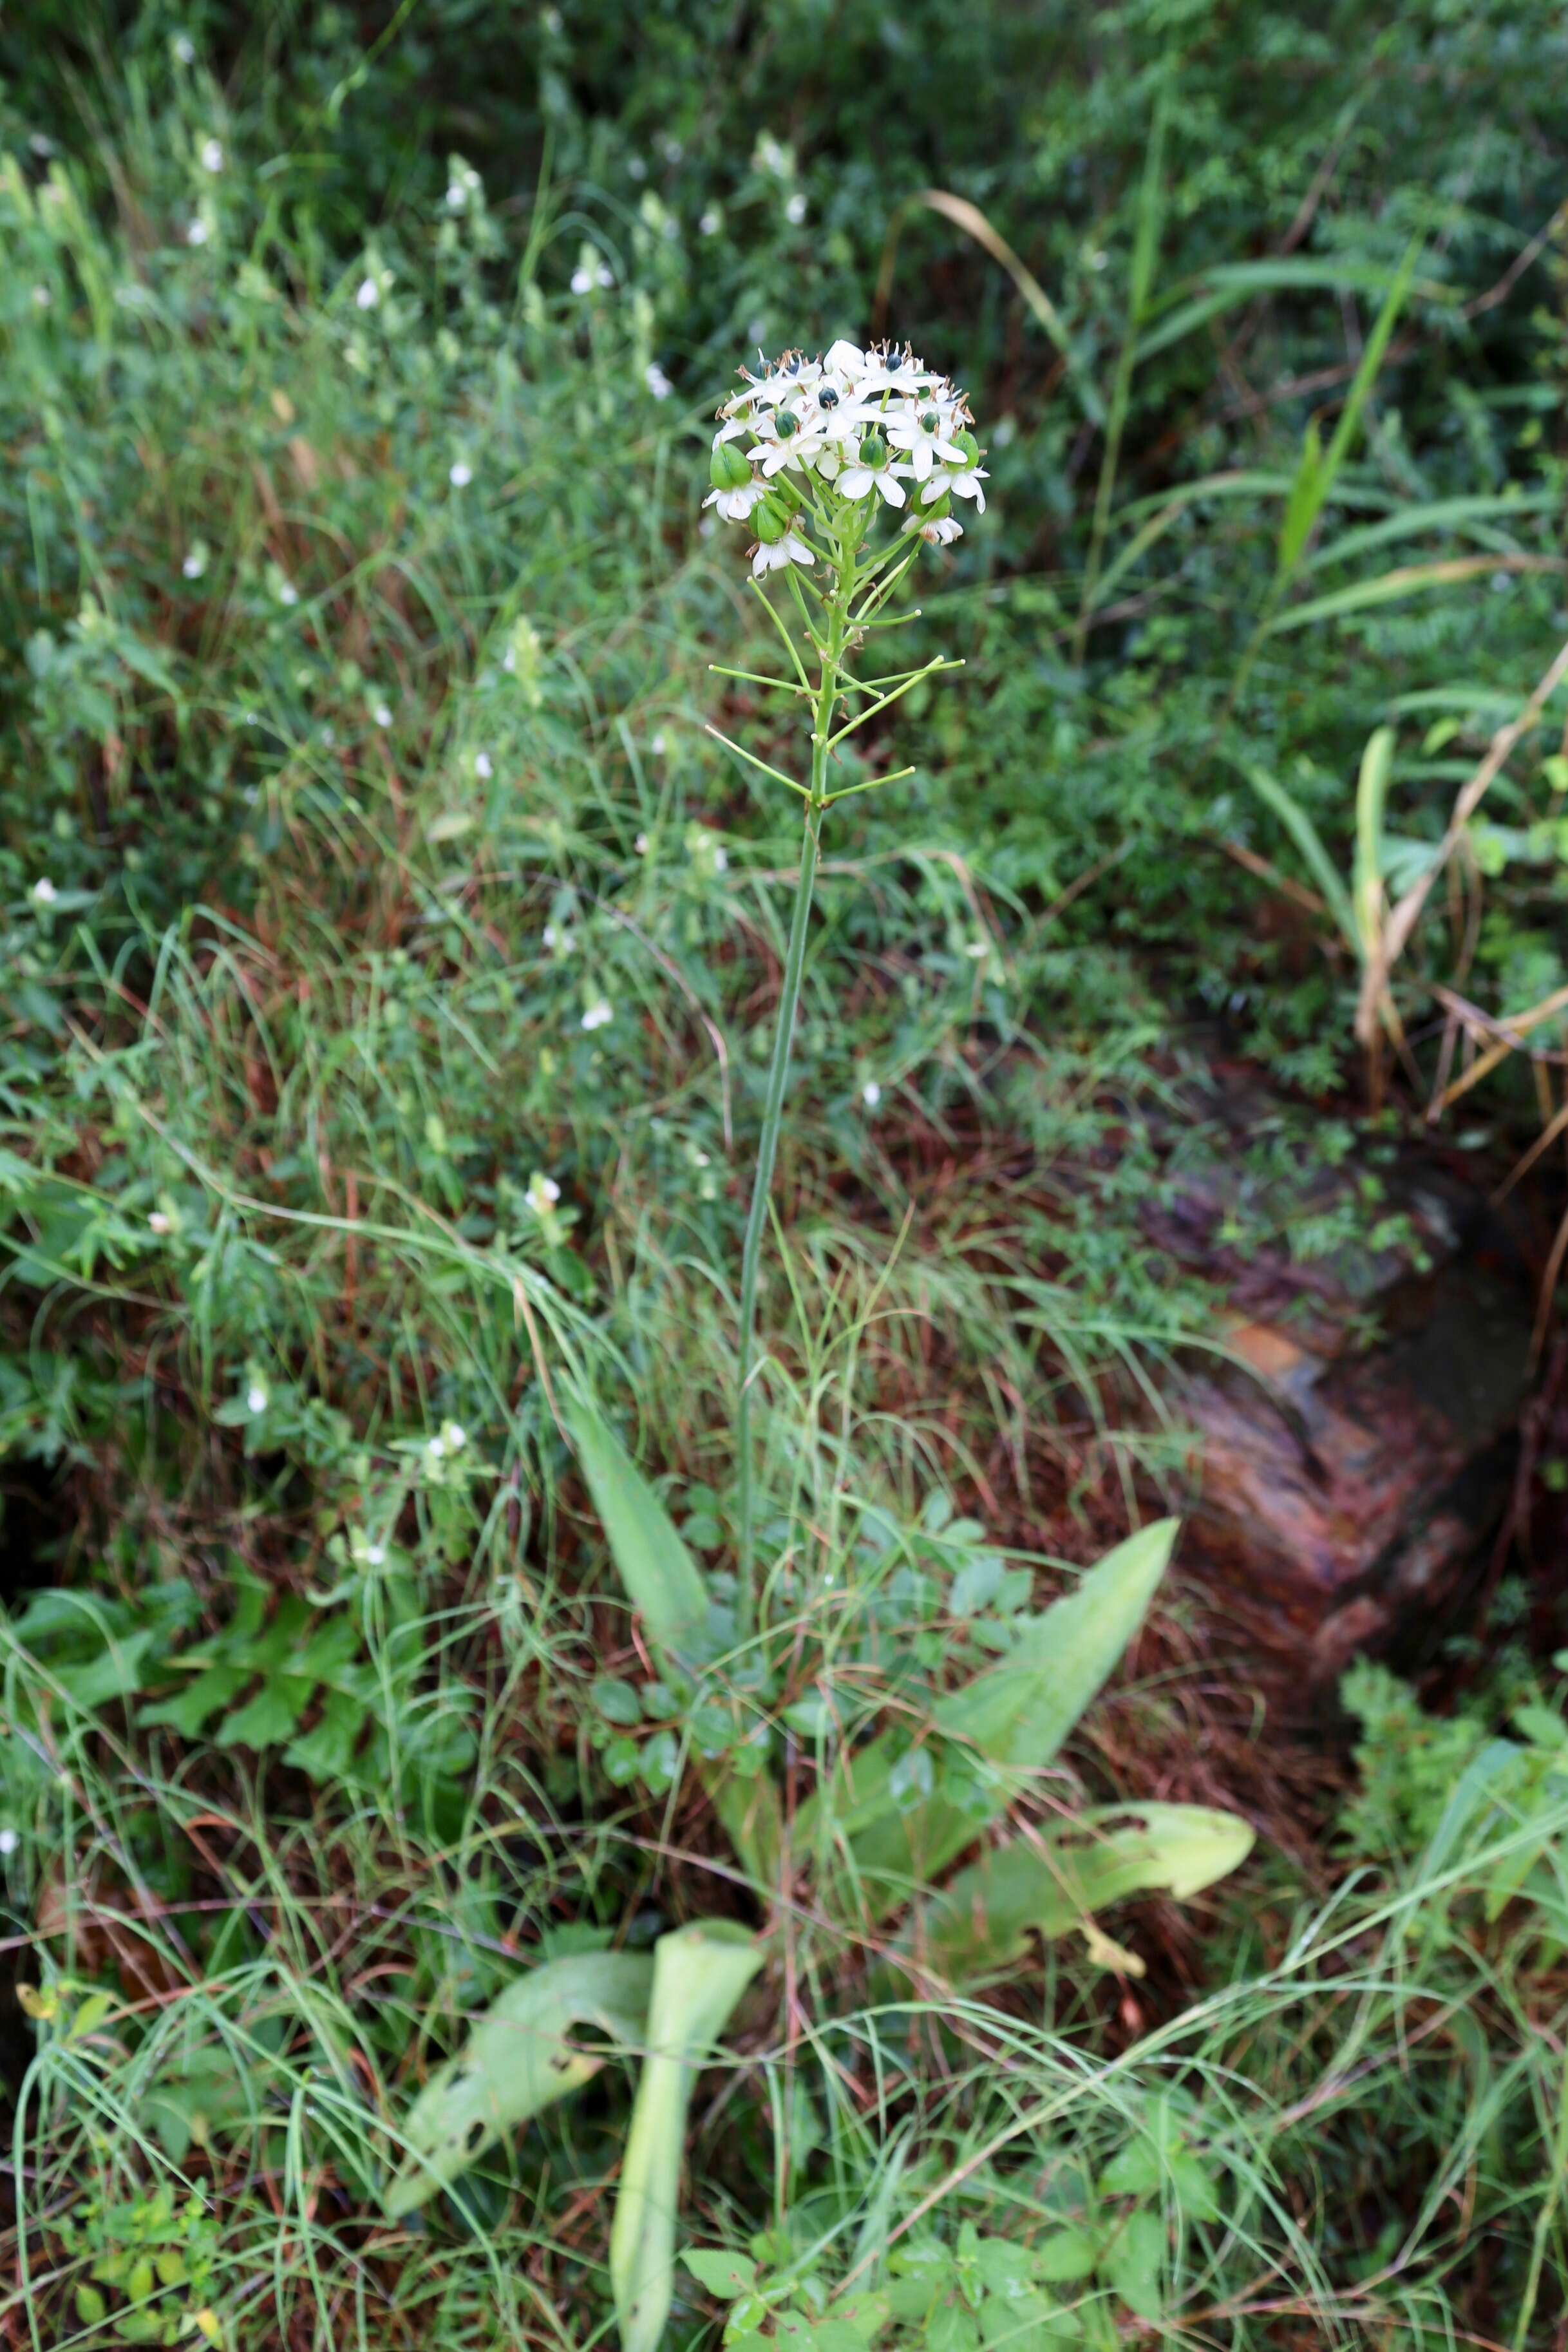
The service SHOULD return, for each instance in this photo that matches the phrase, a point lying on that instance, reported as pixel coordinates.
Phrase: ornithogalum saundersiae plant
(842, 468)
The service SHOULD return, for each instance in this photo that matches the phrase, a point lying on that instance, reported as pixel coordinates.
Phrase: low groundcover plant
(843, 469)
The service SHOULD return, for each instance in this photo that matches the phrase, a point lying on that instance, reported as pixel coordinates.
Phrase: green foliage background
(355, 783)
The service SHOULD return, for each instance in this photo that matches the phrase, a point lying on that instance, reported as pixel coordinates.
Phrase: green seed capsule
(728, 468)
(970, 446)
(770, 521)
(873, 453)
(786, 424)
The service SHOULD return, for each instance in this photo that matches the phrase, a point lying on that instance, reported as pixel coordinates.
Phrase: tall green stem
(778, 1070)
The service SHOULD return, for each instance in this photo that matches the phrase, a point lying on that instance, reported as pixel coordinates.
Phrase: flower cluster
(807, 436)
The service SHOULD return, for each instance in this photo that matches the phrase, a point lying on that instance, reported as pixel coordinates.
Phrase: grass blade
(1309, 841)
(662, 1579)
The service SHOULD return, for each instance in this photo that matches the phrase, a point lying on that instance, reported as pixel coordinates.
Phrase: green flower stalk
(815, 455)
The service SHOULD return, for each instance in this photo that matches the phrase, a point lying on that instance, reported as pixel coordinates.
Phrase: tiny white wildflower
(657, 381)
(710, 221)
(434, 1451)
(542, 1194)
(8, 1842)
(198, 233)
(287, 593)
(42, 297)
(871, 1094)
(641, 844)
(454, 1436)
(43, 892)
(460, 475)
(369, 295)
(484, 766)
(382, 714)
(656, 745)
(184, 48)
(255, 1399)
(597, 1014)
(195, 562)
(788, 550)
(978, 948)
(559, 938)
(211, 154)
(637, 167)
(375, 1555)
(160, 1222)
(795, 210)
(721, 861)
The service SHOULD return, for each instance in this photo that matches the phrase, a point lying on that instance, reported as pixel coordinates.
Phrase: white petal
(844, 358)
(891, 488)
(795, 550)
(855, 481)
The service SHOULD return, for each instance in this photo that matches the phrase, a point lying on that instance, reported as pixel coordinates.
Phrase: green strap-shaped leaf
(699, 1973)
(1012, 1719)
(520, 2057)
(665, 1587)
(663, 1580)
(1049, 1885)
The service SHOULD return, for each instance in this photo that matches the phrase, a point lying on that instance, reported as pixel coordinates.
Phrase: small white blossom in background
(459, 474)
(484, 766)
(454, 1436)
(551, 21)
(978, 948)
(710, 221)
(255, 1400)
(641, 844)
(382, 714)
(43, 892)
(198, 233)
(42, 297)
(184, 48)
(463, 184)
(8, 1842)
(770, 155)
(597, 1014)
(160, 1222)
(542, 1194)
(804, 437)
(195, 562)
(795, 210)
(591, 271)
(656, 744)
(657, 381)
(367, 295)
(558, 938)
(871, 1094)
(211, 154)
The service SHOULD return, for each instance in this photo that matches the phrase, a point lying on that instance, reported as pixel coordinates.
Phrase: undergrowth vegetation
(391, 971)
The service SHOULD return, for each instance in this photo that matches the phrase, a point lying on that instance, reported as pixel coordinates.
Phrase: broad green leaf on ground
(1049, 1884)
(699, 1973)
(996, 1731)
(521, 2056)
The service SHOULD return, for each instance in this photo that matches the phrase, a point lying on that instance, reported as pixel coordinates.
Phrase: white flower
(542, 1195)
(369, 295)
(160, 1222)
(937, 531)
(637, 167)
(211, 154)
(42, 297)
(721, 861)
(382, 714)
(978, 948)
(375, 1555)
(710, 221)
(255, 1399)
(795, 210)
(735, 504)
(454, 1436)
(195, 562)
(770, 155)
(434, 1451)
(657, 745)
(597, 1015)
(871, 1094)
(287, 593)
(856, 480)
(924, 433)
(8, 1842)
(641, 844)
(790, 549)
(43, 892)
(198, 233)
(582, 281)
(559, 941)
(965, 484)
(484, 766)
(459, 474)
(657, 381)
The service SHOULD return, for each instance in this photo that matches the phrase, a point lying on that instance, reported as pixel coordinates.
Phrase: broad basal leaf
(662, 1580)
(699, 1973)
(988, 1735)
(529, 2050)
(1048, 1886)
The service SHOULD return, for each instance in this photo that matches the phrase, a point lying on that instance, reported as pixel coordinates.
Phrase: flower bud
(770, 521)
(873, 453)
(728, 468)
